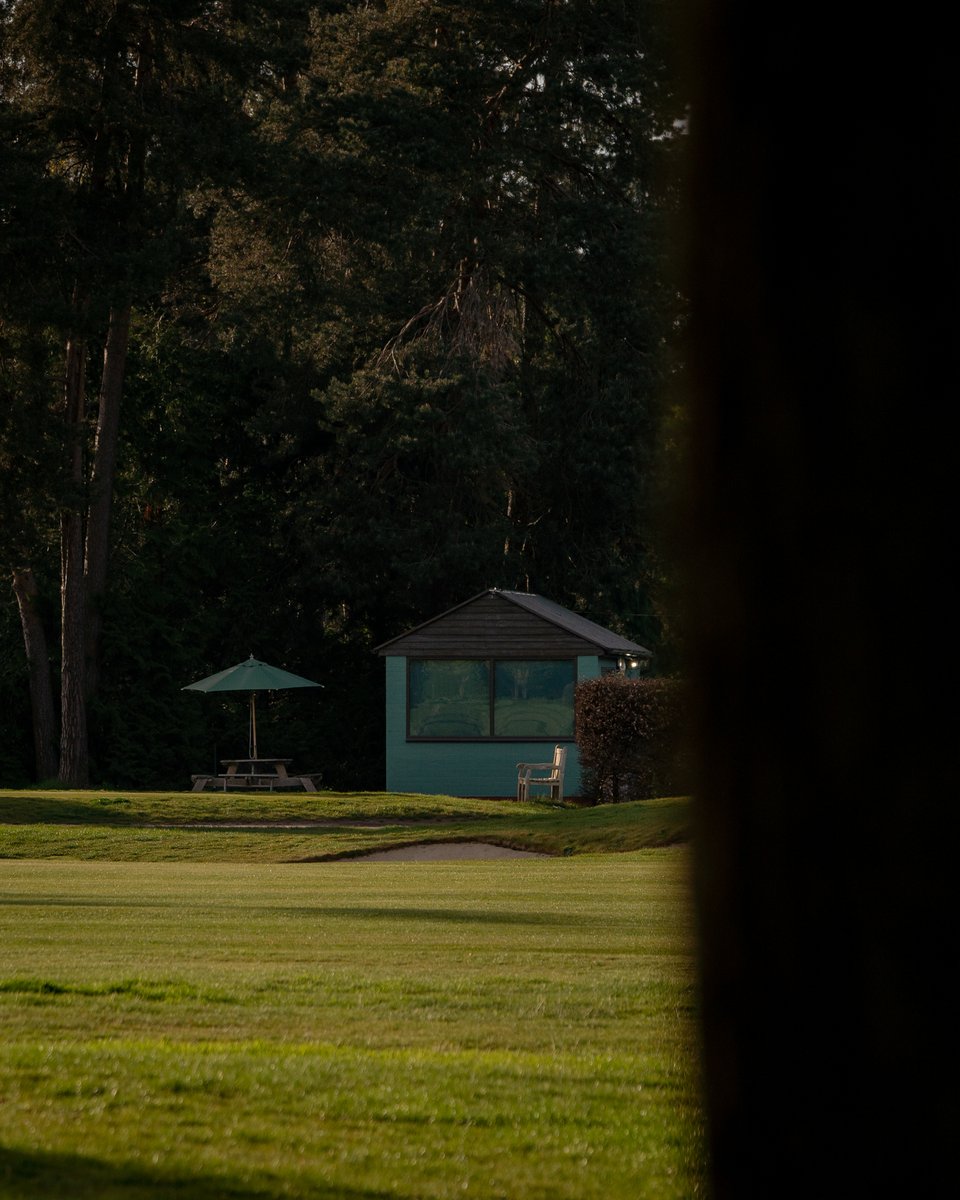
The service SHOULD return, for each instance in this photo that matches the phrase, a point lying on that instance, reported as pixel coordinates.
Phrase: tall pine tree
(469, 268)
(114, 114)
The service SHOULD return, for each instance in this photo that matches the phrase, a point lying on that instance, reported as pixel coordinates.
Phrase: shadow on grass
(86, 902)
(36, 1175)
(40, 810)
(454, 915)
(316, 912)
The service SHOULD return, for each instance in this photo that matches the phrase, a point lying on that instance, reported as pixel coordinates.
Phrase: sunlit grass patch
(98, 806)
(286, 1119)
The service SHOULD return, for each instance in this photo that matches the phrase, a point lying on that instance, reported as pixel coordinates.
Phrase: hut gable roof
(509, 624)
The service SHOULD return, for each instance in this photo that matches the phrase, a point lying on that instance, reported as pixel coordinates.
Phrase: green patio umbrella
(251, 676)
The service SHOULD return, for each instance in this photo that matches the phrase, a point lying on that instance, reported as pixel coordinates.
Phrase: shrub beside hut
(628, 735)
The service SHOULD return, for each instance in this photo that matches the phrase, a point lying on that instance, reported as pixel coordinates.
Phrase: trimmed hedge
(628, 737)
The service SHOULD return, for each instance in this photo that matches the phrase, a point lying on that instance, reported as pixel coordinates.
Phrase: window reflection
(449, 698)
(533, 699)
(455, 698)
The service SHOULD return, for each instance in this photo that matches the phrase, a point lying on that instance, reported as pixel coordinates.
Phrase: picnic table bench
(258, 774)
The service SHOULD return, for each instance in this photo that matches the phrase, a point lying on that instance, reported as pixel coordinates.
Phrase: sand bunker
(446, 852)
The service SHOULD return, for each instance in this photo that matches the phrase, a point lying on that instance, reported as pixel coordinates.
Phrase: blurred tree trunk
(819, 207)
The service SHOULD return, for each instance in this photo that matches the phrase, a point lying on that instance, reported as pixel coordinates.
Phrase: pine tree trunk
(74, 765)
(97, 546)
(38, 666)
(101, 490)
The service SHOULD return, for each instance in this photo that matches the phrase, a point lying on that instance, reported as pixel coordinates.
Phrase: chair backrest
(559, 760)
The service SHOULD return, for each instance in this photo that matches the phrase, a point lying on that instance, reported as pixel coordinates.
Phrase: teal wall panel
(463, 768)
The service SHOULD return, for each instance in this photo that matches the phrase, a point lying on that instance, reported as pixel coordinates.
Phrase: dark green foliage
(628, 736)
(118, 119)
(471, 267)
(398, 318)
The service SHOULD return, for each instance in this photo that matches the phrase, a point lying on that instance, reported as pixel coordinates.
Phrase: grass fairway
(521, 1029)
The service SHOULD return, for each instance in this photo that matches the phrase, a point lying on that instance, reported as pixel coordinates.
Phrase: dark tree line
(314, 320)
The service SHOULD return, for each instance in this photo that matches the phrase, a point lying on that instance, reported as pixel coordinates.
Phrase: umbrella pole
(253, 724)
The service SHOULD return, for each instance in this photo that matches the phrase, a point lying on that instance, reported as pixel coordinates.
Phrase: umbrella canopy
(251, 676)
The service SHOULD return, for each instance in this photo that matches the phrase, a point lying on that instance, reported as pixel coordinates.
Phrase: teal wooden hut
(488, 684)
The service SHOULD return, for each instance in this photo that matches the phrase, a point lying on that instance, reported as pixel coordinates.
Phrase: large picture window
(449, 698)
(502, 698)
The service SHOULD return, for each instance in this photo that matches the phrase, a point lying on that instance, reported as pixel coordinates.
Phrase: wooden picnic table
(267, 774)
(256, 766)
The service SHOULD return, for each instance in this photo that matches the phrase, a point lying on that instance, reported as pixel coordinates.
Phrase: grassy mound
(285, 827)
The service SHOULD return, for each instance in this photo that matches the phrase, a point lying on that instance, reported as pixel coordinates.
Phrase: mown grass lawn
(523, 1028)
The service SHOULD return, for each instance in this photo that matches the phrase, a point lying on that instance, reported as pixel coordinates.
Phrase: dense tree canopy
(351, 310)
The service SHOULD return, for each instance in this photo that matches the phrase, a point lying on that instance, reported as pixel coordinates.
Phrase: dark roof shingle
(604, 640)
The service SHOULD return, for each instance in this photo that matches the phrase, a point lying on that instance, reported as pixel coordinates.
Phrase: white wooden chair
(550, 776)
